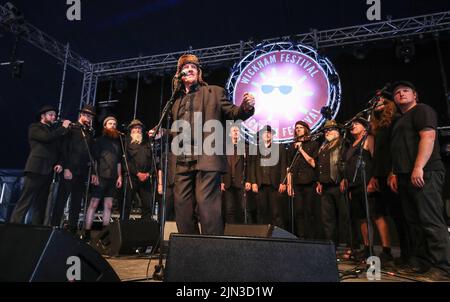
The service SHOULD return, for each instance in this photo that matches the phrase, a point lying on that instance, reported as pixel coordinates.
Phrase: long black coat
(45, 144)
(213, 103)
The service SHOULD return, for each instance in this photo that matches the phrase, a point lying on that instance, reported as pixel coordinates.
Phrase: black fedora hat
(44, 109)
(362, 121)
(89, 109)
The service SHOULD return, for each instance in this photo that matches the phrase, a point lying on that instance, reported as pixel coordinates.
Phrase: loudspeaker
(42, 254)
(127, 237)
(257, 230)
(194, 258)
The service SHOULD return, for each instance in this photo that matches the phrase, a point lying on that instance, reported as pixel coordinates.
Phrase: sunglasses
(284, 89)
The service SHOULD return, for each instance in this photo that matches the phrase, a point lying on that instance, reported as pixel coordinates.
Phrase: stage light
(405, 51)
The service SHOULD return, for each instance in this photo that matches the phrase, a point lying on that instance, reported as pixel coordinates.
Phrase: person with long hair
(381, 121)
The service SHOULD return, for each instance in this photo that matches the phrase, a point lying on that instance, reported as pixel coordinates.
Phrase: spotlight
(405, 51)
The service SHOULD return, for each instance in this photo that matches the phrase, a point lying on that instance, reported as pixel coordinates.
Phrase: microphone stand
(127, 177)
(244, 194)
(341, 168)
(361, 165)
(159, 268)
(91, 166)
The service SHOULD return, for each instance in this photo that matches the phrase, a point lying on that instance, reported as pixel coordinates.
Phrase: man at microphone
(76, 153)
(42, 161)
(108, 177)
(198, 172)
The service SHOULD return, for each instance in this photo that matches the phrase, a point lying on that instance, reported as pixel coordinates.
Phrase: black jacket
(212, 102)
(302, 171)
(74, 152)
(107, 154)
(139, 158)
(45, 144)
(277, 172)
(238, 180)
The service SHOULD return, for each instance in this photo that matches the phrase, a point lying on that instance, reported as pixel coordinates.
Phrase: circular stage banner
(290, 83)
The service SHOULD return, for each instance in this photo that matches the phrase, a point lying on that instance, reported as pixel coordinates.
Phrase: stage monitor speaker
(257, 230)
(127, 237)
(42, 254)
(195, 258)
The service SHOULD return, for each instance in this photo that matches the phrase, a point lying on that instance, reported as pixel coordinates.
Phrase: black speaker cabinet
(127, 237)
(42, 254)
(257, 230)
(196, 258)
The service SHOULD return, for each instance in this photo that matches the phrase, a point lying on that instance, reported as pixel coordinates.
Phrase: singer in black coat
(76, 149)
(44, 155)
(198, 179)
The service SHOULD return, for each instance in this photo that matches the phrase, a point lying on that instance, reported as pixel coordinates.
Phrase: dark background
(116, 29)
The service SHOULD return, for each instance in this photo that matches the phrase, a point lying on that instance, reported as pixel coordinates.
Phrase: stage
(134, 269)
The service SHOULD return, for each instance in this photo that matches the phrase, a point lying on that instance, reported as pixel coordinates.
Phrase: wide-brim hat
(332, 124)
(88, 109)
(44, 109)
(135, 123)
(362, 121)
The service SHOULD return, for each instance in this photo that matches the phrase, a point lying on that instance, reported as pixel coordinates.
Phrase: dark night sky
(120, 29)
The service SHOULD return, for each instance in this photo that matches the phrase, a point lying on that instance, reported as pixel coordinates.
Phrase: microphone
(181, 74)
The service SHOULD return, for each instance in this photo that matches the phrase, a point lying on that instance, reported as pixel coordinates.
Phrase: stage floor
(141, 269)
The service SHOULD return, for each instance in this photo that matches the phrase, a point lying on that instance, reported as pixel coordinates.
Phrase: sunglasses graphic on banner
(284, 89)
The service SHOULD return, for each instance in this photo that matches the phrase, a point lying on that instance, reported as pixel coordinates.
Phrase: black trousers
(234, 205)
(76, 188)
(34, 196)
(170, 209)
(307, 212)
(424, 213)
(335, 215)
(199, 190)
(269, 209)
(141, 191)
(395, 210)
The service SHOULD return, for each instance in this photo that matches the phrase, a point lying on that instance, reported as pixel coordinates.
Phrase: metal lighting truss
(10, 22)
(317, 39)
